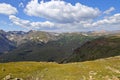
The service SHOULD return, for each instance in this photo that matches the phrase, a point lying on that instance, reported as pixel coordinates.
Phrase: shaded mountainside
(103, 69)
(54, 50)
(99, 48)
(5, 44)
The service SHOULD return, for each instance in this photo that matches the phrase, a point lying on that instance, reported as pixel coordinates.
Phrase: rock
(8, 77)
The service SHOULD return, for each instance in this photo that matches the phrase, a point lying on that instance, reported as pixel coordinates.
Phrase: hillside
(53, 50)
(102, 47)
(103, 69)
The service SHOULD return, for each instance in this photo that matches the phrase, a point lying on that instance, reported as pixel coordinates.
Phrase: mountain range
(42, 46)
(58, 47)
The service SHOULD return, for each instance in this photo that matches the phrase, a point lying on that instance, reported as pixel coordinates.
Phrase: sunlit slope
(103, 69)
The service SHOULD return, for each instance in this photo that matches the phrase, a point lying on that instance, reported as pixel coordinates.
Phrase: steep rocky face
(99, 48)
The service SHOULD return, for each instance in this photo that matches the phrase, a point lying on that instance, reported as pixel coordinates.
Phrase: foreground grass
(103, 69)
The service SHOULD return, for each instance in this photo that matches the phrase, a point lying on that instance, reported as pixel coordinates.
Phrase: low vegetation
(102, 69)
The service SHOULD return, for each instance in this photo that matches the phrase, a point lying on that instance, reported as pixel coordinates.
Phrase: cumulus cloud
(61, 11)
(30, 25)
(112, 20)
(109, 10)
(47, 25)
(62, 16)
(7, 9)
(69, 27)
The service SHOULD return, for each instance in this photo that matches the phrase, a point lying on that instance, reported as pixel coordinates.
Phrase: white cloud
(112, 20)
(109, 10)
(30, 25)
(7, 9)
(21, 5)
(60, 11)
(47, 25)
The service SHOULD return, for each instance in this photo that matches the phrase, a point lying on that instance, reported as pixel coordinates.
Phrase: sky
(60, 15)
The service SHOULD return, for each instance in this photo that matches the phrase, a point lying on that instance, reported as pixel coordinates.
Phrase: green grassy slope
(103, 69)
(99, 48)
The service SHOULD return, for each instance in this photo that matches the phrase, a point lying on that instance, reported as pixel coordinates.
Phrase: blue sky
(59, 15)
